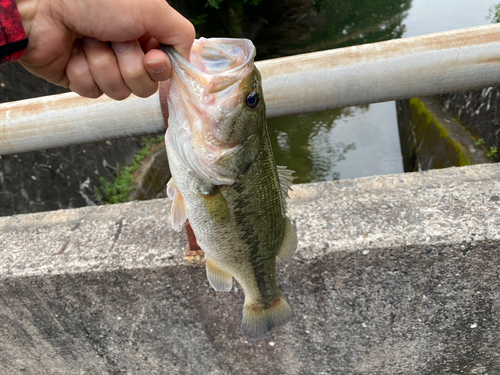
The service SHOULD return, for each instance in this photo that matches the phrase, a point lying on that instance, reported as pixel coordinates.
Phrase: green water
(357, 141)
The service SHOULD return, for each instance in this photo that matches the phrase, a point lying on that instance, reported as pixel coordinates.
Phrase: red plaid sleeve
(13, 40)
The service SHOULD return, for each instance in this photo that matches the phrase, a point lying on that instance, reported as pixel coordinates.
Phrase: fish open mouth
(215, 57)
(205, 95)
(216, 63)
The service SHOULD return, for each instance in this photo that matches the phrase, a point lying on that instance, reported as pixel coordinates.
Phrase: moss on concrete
(437, 139)
(118, 191)
(442, 140)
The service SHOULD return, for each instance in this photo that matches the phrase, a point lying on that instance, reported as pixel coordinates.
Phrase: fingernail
(75, 49)
(88, 41)
(120, 47)
(157, 66)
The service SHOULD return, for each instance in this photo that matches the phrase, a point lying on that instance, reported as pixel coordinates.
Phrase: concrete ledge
(395, 274)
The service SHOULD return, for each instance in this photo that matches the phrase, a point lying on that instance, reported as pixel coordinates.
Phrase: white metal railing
(397, 69)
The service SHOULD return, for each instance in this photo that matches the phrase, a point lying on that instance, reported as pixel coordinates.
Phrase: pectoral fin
(289, 243)
(216, 205)
(221, 281)
(179, 213)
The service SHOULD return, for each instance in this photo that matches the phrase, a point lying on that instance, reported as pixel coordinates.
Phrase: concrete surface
(395, 274)
(477, 111)
(431, 138)
(150, 179)
(48, 180)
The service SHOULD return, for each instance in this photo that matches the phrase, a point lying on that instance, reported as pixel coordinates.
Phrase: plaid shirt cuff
(13, 40)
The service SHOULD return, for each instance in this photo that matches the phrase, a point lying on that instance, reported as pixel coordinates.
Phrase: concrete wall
(479, 112)
(57, 178)
(394, 274)
(431, 138)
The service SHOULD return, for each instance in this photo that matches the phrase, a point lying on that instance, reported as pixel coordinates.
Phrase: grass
(493, 152)
(119, 189)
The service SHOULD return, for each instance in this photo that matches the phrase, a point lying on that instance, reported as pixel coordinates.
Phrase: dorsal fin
(286, 180)
(179, 214)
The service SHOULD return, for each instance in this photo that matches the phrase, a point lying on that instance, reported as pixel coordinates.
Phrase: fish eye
(252, 99)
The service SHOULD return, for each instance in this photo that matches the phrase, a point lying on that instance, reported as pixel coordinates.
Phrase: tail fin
(258, 322)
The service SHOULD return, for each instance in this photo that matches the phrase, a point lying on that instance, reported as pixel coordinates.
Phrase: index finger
(169, 27)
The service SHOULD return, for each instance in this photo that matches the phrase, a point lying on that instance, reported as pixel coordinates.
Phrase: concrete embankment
(394, 274)
(431, 138)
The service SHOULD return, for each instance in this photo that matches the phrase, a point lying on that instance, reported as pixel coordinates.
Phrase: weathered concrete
(58, 178)
(394, 274)
(150, 179)
(431, 138)
(478, 111)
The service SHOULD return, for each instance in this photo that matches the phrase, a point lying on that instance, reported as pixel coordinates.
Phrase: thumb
(168, 26)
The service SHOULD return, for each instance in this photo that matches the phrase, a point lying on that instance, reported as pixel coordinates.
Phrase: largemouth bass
(225, 179)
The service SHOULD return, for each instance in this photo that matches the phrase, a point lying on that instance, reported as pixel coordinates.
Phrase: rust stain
(491, 60)
(459, 41)
(4, 136)
(379, 51)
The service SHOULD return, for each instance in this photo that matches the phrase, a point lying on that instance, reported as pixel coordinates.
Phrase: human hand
(103, 46)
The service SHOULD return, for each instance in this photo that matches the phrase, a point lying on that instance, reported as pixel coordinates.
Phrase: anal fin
(289, 243)
(179, 213)
(221, 281)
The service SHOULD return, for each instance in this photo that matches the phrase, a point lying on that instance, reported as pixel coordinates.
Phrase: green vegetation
(494, 14)
(199, 20)
(118, 190)
(213, 3)
(493, 152)
(224, 18)
(342, 23)
(282, 28)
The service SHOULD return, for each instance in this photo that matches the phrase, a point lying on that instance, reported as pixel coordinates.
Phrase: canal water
(363, 140)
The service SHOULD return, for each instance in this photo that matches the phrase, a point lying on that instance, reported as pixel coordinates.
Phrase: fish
(225, 180)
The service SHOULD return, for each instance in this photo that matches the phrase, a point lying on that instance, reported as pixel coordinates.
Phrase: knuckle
(102, 62)
(79, 74)
(133, 74)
